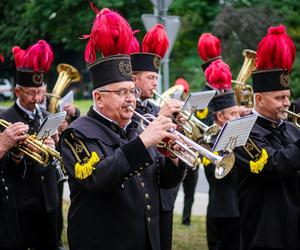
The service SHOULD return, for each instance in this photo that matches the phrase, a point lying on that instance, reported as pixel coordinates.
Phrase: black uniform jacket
(223, 201)
(35, 186)
(167, 196)
(9, 227)
(115, 206)
(269, 198)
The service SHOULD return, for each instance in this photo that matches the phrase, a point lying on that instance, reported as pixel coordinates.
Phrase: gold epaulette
(202, 114)
(86, 160)
(258, 157)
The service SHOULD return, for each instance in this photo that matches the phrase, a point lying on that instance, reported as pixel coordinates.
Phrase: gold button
(142, 184)
(42, 177)
(148, 218)
(148, 207)
(147, 196)
(136, 172)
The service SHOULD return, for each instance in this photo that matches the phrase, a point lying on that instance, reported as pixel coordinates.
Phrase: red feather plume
(38, 57)
(276, 50)
(18, 55)
(134, 45)
(156, 41)
(184, 83)
(218, 75)
(209, 46)
(111, 35)
(1, 58)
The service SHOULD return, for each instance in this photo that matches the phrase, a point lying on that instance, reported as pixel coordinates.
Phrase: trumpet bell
(224, 166)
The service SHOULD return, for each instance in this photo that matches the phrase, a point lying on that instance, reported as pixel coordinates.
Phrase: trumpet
(44, 151)
(294, 116)
(189, 149)
(193, 127)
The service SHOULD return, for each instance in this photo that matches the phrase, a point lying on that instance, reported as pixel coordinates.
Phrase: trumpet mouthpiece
(130, 108)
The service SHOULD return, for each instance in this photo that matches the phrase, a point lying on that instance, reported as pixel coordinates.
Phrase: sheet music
(235, 133)
(198, 100)
(50, 125)
(67, 99)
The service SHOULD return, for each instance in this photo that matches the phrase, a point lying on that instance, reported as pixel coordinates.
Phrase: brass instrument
(193, 127)
(188, 152)
(32, 142)
(294, 116)
(243, 91)
(67, 75)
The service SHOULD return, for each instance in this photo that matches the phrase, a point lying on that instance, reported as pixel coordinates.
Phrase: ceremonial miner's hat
(218, 76)
(154, 46)
(111, 36)
(275, 56)
(33, 63)
(223, 101)
(209, 49)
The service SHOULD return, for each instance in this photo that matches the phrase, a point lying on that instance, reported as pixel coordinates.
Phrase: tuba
(243, 91)
(67, 75)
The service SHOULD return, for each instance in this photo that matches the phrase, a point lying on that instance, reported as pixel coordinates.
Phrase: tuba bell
(243, 91)
(67, 75)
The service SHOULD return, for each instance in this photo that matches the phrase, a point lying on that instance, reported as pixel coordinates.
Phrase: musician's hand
(49, 142)
(170, 107)
(63, 126)
(70, 109)
(158, 130)
(13, 134)
(244, 111)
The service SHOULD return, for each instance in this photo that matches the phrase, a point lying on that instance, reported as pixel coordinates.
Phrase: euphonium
(294, 116)
(67, 75)
(243, 91)
(188, 152)
(193, 127)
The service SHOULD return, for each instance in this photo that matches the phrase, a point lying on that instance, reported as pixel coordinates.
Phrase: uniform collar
(107, 122)
(29, 113)
(266, 122)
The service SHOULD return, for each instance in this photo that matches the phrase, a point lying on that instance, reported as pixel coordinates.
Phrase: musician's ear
(259, 99)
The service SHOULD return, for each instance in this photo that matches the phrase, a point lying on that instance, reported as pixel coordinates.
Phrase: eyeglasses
(124, 93)
(32, 93)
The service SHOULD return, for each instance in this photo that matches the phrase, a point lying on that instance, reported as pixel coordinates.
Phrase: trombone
(193, 127)
(189, 149)
(44, 151)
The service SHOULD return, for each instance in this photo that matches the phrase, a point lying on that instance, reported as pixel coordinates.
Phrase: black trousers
(60, 218)
(39, 230)
(223, 233)
(189, 184)
(166, 229)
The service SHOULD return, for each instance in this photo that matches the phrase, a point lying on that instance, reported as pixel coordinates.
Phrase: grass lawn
(184, 238)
